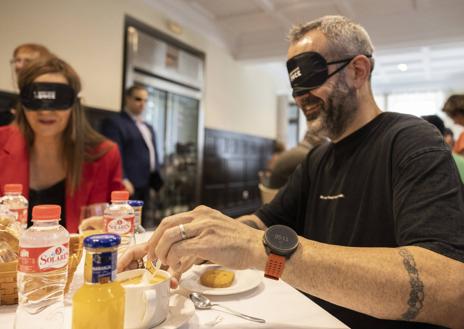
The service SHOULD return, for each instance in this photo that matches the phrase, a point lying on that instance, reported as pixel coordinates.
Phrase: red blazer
(99, 178)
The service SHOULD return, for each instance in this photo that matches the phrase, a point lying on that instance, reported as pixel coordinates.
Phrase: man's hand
(94, 224)
(133, 256)
(128, 186)
(211, 236)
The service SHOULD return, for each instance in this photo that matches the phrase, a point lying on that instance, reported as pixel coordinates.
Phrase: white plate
(181, 309)
(244, 280)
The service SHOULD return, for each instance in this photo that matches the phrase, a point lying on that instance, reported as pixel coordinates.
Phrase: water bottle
(119, 219)
(137, 205)
(42, 271)
(16, 202)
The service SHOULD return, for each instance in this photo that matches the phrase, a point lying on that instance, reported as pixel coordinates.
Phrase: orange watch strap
(274, 266)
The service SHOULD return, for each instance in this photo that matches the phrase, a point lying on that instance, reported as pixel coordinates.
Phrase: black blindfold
(309, 70)
(47, 96)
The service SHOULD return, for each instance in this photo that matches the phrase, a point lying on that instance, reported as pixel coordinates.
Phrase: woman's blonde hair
(32, 47)
(80, 141)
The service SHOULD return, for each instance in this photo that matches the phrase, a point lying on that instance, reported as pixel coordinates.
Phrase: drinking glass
(91, 218)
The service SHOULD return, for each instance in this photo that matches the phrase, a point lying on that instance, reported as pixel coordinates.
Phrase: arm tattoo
(416, 296)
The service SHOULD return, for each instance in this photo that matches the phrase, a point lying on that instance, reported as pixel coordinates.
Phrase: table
(275, 301)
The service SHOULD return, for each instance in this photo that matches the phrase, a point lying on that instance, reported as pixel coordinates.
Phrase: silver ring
(183, 235)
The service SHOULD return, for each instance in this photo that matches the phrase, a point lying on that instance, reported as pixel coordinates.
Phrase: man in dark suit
(137, 144)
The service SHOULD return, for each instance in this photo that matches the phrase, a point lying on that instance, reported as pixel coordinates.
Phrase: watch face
(281, 239)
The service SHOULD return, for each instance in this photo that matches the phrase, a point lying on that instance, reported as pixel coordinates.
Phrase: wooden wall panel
(230, 170)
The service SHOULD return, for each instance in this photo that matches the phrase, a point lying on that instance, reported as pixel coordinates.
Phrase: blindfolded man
(370, 225)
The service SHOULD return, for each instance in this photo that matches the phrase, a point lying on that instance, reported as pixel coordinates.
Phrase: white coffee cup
(147, 304)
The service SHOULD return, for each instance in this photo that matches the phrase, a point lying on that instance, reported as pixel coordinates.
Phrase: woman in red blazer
(52, 150)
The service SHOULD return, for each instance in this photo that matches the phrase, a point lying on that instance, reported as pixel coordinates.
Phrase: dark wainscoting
(7, 101)
(96, 116)
(230, 170)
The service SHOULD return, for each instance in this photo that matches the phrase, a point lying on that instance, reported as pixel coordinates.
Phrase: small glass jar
(99, 303)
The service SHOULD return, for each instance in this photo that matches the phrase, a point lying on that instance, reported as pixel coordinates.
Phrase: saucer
(181, 309)
(244, 280)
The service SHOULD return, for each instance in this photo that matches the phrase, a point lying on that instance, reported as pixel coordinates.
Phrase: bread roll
(217, 278)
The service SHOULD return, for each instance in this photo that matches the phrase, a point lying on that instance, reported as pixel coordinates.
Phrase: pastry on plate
(217, 278)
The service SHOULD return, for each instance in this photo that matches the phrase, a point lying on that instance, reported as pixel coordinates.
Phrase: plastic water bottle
(16, 202)
(42, 271)
(137, 205)
(119, 218)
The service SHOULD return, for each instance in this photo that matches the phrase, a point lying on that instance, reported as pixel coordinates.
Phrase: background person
(454, 108)
(287, 161)
(25, 53)
(440, 125)
(22, 56)
(448, 136)
(378, 210)
(278, 148)
(52, 151)
(137, 143)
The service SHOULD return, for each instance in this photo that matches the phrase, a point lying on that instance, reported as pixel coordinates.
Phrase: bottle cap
(13, 188)
(46, 212)
(102, 241)
(136, 203)
(119, 196)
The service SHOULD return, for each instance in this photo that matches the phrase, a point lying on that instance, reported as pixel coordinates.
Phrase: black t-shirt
(391, 183)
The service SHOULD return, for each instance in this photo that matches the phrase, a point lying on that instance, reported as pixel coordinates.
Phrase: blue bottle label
(103, 267)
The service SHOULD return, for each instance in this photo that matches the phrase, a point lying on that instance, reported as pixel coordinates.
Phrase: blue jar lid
(102, 241)
(135, 203)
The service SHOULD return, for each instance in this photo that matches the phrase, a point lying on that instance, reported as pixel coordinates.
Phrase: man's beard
(332, 118)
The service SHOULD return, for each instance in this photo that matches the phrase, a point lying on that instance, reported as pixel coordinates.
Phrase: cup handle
(150, 305)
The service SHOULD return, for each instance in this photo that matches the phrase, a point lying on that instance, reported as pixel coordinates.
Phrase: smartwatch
(280, 242)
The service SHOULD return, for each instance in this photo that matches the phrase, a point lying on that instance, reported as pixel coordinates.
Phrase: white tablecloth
(275, 301)
(278, 303)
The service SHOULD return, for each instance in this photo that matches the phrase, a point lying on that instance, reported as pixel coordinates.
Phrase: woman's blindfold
(47, 96)
(309, 70)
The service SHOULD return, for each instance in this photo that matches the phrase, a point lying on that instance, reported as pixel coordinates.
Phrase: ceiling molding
(187, 14)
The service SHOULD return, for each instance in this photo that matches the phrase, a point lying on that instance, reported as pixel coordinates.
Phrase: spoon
(151, 273)
(203, 303)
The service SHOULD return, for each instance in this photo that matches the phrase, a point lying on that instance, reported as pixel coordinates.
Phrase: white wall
(239, 96)
(89, 35)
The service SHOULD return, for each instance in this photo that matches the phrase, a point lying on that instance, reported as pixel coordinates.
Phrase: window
(415, 103)
(423, 103)
(292, 127)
